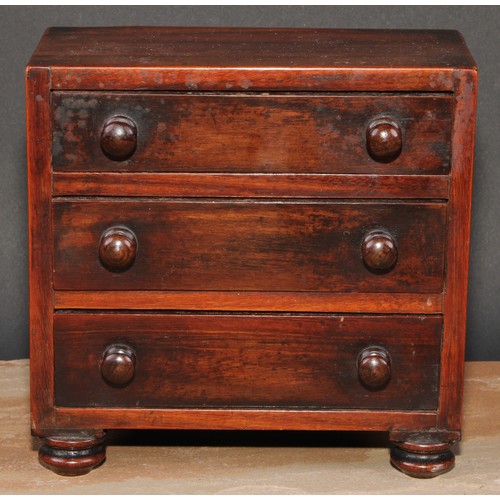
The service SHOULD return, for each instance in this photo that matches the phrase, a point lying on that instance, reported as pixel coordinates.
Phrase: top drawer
(308, 133)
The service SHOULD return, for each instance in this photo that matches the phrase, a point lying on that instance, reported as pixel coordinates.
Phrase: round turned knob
(374, 367)
(379, 250)
(117, 248)
(384, 140)
(119, 138)
(118, 365)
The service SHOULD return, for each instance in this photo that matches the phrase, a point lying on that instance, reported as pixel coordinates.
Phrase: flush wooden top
(251, 47)
(251, 58)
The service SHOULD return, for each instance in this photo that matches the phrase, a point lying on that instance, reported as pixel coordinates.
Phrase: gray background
(21, 28)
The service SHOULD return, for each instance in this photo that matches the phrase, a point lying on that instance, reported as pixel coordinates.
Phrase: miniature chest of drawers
(249, 229)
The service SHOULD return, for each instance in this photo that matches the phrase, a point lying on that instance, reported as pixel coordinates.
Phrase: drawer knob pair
(119, 138)
(118, 249)
(118, 364)
(374, 367)
(384, 140)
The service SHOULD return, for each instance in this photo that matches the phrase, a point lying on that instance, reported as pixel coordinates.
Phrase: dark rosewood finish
(155, 58)
(307, 133)
(205, 185)
(374, 367)
(118, 364)
(117, 248)
(41, 291)
(251, 245)
(207, 360)
(457, 257)
(422, 456)
(370, 302)
(384, 140)
(119, 137)
(265, 418)
(135, 48)
(289, 207)
(379, 250)
(72, 455)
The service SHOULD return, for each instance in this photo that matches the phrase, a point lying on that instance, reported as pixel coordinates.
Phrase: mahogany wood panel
(252, 79)
(247, 184)
(252, 133)
(252, 246)
(458, 245)
(250, 47)
(253, 301)
(251, 58)
(243, 419)
(208, 360)
(41, 294)
(250, 185)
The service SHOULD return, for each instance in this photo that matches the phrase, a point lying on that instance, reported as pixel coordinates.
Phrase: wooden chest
(249, 229)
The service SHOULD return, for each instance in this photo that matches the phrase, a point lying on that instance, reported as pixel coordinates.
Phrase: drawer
(248, 245)
(178, 360)
(308, 133)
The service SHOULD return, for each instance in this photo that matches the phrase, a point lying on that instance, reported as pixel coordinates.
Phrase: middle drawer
(249, 246)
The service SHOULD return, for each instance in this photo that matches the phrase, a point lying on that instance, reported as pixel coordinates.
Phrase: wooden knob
(119, 138)
(384, 140)
(374, 367)
(118, 365)
(117, 249)
(379, 250)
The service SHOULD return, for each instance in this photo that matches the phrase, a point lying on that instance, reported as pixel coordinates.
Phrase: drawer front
(247, 361)
(252, 246)
(252, 133)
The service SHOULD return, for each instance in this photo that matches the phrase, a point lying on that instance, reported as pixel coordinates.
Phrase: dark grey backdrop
(21, 28)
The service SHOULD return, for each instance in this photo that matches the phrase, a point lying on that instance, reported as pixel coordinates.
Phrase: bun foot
(72, 455)
(422, 459)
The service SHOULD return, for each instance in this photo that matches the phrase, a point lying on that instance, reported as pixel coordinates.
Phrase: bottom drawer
(236, 360)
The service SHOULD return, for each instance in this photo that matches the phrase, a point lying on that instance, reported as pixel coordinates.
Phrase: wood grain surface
(309, 133)
(457, 255)
(243, 419)
(41, 293)
(249, 246)
(200, 185)
(247, 361)
(138, 58)
(412, 303)
(253, 165)
(250, 47)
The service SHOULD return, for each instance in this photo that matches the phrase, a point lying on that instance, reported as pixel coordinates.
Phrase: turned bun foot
(72, 455)
(422, 460)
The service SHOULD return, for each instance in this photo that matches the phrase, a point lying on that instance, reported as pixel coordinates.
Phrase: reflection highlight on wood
(253, 301)
(205, 185)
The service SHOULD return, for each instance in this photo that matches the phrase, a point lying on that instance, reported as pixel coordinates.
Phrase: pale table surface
(161, 462)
